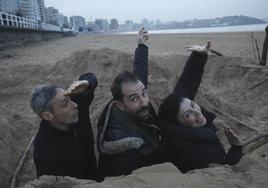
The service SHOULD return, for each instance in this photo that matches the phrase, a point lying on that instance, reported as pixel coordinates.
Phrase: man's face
(135, 100)
(65, 110)
(190, 114)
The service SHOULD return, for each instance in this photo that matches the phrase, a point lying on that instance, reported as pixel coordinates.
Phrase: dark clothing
(188, 147)
(124, 142)
(71, 152)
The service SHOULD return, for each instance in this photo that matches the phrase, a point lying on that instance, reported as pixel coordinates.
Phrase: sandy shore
(234, 87)
(229, 44)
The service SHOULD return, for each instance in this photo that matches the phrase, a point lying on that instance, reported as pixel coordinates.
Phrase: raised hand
(197, 48)
(142, 36)
(77, 87)
(232, 136)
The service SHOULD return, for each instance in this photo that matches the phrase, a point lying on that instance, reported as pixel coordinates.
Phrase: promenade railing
(11, 20)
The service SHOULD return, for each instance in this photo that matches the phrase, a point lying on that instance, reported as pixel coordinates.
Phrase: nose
(198, 115)
(196, 112)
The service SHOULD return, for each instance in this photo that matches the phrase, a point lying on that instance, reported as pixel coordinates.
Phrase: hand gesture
(201, 49)
(142, 36)
(232, 136)
(77, 87)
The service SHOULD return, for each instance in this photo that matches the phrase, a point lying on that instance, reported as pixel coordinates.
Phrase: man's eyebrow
(132, 95)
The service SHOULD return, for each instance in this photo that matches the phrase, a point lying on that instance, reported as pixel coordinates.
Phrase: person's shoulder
(41, 133)
(46, 135)
(114, 123)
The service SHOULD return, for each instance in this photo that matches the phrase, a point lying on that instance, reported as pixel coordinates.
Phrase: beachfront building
(91, 26)
(77, 22)
(9, 6)
(65, 22)
(11, 20)
(60, 19)
(145, 23)
(114, 24)
(29, 9)
(42, 10)
(129, 25)
(102, 24)
(54, 16)
(11, 12)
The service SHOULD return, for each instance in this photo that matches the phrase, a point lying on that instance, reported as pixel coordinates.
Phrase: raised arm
(82, 91)
(141, 57)
(190, 79)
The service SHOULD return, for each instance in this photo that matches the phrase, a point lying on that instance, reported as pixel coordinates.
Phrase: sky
(164, 10)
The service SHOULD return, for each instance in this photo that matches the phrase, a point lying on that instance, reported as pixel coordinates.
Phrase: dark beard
(136, 116)
(140, 115)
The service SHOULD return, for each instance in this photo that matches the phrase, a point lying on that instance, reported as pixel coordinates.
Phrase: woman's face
(190, 114)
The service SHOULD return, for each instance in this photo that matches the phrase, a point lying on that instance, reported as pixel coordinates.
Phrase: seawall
(14, 37)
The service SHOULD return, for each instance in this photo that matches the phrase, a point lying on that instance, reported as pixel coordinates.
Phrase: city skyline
(168, 10)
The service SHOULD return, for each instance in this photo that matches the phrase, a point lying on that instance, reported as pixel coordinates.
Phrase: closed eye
(65, 101)
(187, 114)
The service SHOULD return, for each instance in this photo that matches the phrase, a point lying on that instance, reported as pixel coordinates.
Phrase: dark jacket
(192, 148)
(71, 152)
(124, 142)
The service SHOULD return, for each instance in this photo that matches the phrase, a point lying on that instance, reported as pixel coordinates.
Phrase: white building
(9, 6)
(55, 17)
(52, 15)
(66, 22)
(29, 9)
(77, 21)
(42, 10)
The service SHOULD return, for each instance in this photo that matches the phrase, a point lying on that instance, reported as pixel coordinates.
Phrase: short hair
(123, 78)
(169, 108)
(42, 97)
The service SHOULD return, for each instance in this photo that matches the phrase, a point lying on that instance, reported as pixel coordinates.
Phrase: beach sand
(234, 87)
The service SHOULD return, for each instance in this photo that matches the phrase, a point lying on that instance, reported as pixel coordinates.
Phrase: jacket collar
(46, 126)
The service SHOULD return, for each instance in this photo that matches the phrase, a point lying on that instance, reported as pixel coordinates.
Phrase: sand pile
(234, 88)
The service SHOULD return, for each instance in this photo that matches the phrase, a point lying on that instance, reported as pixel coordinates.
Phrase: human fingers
(146, 37)
(141, 31)
(75, 86)
(189, 48)
(68, 91)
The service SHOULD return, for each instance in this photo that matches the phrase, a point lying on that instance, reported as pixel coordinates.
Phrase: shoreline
(212, 29)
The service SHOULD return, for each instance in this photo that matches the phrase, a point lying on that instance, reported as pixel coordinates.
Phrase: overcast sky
(164, 10)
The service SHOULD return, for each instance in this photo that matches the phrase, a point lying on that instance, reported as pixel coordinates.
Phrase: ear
(47, 116)
(120, 105)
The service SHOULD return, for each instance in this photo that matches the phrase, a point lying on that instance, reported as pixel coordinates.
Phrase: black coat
(192, 148)
(71, 152)
(119, 153)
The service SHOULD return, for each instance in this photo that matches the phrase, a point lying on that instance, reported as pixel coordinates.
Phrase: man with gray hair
(64, 144)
